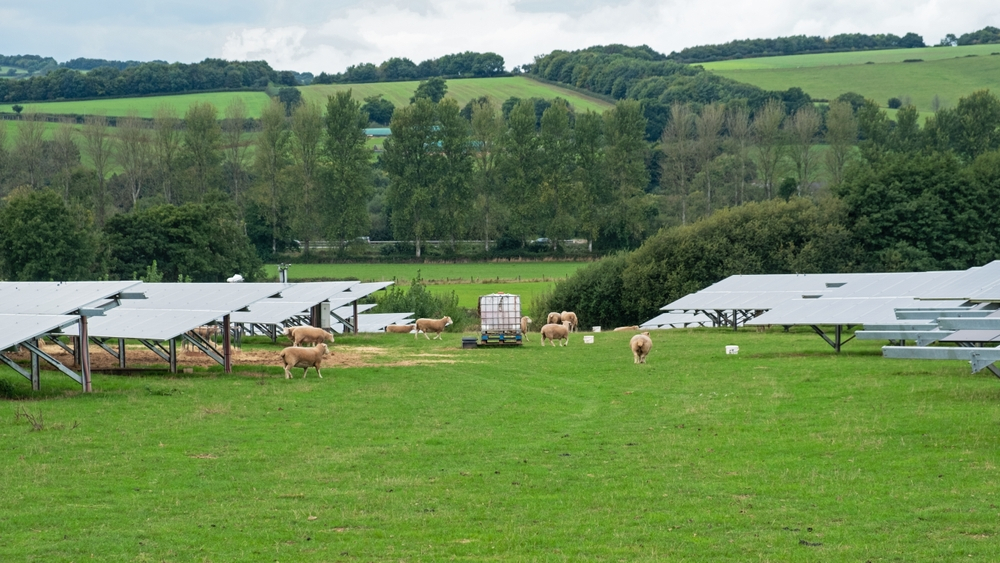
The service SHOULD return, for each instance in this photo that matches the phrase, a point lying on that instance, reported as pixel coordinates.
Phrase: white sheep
(568, 318)
(307, 335)
(399, 329)
(553, 319)
(640, 344)
(626, 328)
(431, 325)
(294, 356)
(525, 321)
(555, 332)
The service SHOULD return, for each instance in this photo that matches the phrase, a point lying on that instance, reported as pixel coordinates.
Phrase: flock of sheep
(557, 327)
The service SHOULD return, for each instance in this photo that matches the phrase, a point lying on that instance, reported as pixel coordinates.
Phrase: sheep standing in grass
(568, 318)
(307, 335)
(553, 319)
(626, 328)
(431, 325)
(555, 332)
(641, 344)
(295, 357)
(525, 321)
(399, 329)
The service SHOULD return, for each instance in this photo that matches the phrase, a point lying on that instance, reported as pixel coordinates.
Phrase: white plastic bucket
(588, 339)
(732, 350)
(596, 329)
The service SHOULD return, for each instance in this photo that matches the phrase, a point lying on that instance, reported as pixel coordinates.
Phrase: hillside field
(463, 90)
(419, 451)
(831, 75)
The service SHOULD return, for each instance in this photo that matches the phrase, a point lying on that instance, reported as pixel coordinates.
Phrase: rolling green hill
(463, 90)
(878, 75)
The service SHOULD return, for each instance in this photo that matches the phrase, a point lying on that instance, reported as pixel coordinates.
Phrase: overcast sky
(329, 35)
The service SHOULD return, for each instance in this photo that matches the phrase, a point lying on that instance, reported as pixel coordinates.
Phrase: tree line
(906, 198)
(795, 45)
(457, 65)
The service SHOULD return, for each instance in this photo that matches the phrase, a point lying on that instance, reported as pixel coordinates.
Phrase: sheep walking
(626, 328)
(555, 332)
(525, 321)
(431, 325)
(307, 335)
(640, 344)
(399, 329)
(568, 318)
(295, 357)
(553, 319)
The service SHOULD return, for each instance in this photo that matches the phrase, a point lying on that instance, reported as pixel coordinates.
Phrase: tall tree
(803, 128)
(413, 166)
(166, 148)
(768, 142)
(28, 147)
(98, 148)
(841, 135)
(236, 146)
(202, 140)
(487, 135)
(708, 125)
(133, 154)
(348, 176)
(678, 145)
(270, 161)
(306, 143)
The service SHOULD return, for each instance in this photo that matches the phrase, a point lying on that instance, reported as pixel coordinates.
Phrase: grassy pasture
(463, 90)
(146, 107)
(469, 272)
(949, 79)
(852, 58)
(425, 452)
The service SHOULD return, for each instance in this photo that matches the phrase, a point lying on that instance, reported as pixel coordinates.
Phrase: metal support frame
(837, 342)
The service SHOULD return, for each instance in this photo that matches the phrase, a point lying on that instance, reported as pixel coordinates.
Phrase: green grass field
(146, 107)
(399, 93)
(948, 78)
(470, 272)
(425, 452)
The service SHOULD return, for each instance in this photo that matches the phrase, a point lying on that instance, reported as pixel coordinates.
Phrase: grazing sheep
(553, 319)
(568, 318)
(399, 329)
(640, 344)
(525, 321)
(431, 325)
(555, 332)
(624, 328)
(303, 358)
(308, 335)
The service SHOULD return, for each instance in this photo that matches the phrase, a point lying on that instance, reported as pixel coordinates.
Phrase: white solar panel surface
(15, 329)
(57, 298)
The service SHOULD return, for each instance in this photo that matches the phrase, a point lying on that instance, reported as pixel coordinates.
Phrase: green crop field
(146, 107)
(433, 273)
(463, 90)
(947, 78)
(409, 450)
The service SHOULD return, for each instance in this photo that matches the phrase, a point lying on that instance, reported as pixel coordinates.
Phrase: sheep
(555, 332)
(553, 319)
(307, 335)
(399, 329)
(624, 328)
(294, 356)
(640, 344)
(525, 321)
(568, 318)
(431, 325)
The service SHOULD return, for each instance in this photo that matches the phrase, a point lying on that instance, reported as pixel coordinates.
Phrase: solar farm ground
(421, 451)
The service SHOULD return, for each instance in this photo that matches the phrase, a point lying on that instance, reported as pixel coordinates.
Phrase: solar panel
(15, 329)
(56, 298)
